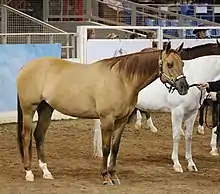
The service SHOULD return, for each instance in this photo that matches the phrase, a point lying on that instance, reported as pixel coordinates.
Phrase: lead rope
(200, 98)
(206, 113)
(171, 90)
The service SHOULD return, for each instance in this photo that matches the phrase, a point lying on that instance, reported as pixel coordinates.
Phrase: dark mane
(199, 46)
(136, 64)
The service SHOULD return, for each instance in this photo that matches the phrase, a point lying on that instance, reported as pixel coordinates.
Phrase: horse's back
(41, 72)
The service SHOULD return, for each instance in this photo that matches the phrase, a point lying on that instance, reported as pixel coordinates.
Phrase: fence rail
(123, 11)
(67, 40)
(14, 21)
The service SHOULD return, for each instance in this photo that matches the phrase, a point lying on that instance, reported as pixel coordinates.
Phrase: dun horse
(107, 89)
(187, 54)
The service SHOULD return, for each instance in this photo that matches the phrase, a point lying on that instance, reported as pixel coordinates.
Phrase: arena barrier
(12, 58)
(90, 50)
(11, 116)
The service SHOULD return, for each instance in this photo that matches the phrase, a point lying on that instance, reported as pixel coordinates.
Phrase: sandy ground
(144, 162)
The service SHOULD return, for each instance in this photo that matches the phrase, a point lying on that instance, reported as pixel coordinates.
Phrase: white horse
(183, 108)
(151, 126)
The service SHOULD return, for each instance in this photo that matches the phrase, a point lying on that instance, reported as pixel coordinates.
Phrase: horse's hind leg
(97, 139)
(139, 118)
(150, 122)
(44, 117)
(27, 141)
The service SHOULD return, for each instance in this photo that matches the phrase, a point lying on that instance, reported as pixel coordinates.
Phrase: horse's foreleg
(44, 118)
(177, 118)
(119, 128)
(201, 120)
(97, 139)
(189, 122)
(215, 119)
(213, 143)
(107, 125)
(27, 143)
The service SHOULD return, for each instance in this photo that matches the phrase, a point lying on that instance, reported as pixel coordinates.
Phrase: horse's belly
(74, 105)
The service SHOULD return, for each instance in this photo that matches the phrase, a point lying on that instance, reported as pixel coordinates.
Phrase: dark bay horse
(187, 54)
(105, 90)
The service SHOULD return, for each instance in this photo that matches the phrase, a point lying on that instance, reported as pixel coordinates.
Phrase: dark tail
(19, 127)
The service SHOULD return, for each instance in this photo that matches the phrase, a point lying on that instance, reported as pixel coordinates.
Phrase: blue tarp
(12, 58)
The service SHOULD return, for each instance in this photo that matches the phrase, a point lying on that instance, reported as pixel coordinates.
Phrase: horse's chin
(182, 92)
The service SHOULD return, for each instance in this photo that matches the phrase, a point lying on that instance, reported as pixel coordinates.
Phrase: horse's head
(171, 69)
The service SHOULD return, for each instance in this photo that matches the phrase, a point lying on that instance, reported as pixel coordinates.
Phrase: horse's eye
(169, 65)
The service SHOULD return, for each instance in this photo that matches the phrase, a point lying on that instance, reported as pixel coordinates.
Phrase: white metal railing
(87, 49)
(67, 40)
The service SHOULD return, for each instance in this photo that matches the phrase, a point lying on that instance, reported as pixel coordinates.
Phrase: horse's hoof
(29, 176)
(201, 130)
(137, 126)
(214, 153)
(116, 181)
(192, 168)
(108, 183)
(97, 155)
(178, 168)
(48, 176)
(153, 129)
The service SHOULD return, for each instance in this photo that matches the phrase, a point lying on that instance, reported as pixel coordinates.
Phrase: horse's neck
(143, 81)
(191, 54)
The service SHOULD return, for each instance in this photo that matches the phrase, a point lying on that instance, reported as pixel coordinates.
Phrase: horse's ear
(218, 43)
(180, 48)
(168, 47)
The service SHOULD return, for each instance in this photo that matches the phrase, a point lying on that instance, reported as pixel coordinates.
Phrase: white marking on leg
(151, 125)
(214, 151)
(109, 159)
(201, 130)
(97, 141)
(138, 122)
(29, 175)
(46, 173)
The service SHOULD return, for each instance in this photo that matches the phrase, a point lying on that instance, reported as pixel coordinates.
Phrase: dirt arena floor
(144, 162)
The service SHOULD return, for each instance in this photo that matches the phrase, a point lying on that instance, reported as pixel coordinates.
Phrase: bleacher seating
(187, 9)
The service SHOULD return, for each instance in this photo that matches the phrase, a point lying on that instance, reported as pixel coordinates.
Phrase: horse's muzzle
(181, 85)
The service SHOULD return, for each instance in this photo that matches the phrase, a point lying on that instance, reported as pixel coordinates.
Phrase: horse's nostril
(181, 86)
